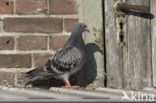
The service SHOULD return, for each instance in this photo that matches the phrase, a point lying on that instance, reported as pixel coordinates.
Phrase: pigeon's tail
(36, 75)
(32, 81)
(33, 75)
(34, 72)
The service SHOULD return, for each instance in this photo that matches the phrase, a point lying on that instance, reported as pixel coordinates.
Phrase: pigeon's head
(80, 28)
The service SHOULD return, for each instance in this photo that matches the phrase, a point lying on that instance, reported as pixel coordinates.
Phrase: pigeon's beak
(86, 29)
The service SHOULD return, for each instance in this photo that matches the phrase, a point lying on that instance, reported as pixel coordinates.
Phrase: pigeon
(65, 62)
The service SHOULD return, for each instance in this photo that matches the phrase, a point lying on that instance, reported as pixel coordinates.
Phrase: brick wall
(30, 32)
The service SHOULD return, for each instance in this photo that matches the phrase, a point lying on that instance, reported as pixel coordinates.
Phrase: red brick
(40, 59)
(7, 78)
(57, 42)
(32, 43)
(30, 6)
(15, 61)
(69, 23)
(63, 7)
(48, 25)
(6, 43)
(6, 7)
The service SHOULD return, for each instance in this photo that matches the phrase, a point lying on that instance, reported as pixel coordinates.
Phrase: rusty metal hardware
(120, 23)
(120, 36)
(124, 6)
(121, 8)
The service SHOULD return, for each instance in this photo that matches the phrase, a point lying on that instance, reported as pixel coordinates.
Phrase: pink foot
(68, 85)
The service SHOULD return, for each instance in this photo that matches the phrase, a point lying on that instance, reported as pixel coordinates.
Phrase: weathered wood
(91, 14)
(137, 75)
(114, 54)
(153, 33)
(128, 66)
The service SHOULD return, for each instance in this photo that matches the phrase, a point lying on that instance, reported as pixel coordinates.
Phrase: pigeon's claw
(68, 85)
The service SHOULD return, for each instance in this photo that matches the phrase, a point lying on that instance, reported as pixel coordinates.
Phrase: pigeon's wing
(64, 60)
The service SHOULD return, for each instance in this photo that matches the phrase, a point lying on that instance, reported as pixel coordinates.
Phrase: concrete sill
(65, 94)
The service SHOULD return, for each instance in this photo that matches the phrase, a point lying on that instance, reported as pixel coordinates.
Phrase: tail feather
(33, 75)
(36, 75)
(32, 81)
(34, 72)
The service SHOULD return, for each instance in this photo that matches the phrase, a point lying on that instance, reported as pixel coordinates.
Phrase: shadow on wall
(83, 78)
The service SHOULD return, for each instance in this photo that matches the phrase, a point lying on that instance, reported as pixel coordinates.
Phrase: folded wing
(64, 60)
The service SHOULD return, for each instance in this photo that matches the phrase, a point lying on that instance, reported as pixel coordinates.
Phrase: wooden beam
(153, 32)
(114, 54)
(137, 74)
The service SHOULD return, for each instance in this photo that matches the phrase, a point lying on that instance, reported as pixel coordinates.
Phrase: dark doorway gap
(104, 41)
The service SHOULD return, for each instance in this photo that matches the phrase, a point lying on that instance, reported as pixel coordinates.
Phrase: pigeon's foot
(68, 85)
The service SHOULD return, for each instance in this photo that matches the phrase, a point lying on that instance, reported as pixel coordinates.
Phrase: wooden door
(153, 38)
(130, 65)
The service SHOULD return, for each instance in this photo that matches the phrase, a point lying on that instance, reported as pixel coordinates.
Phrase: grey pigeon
(65, 62)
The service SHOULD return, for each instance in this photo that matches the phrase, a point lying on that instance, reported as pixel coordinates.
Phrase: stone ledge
(65, 94)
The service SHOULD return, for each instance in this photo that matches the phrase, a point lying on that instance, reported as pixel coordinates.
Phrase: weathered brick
(69, 23)
(53, 25)
(7, 78)
(6, 7)
(40, 59)
(6, 43)
(57, 42)
(32, 43)
(21, 79)
(63, 7)
(1, 25)
(30, 6)
(15, 61)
